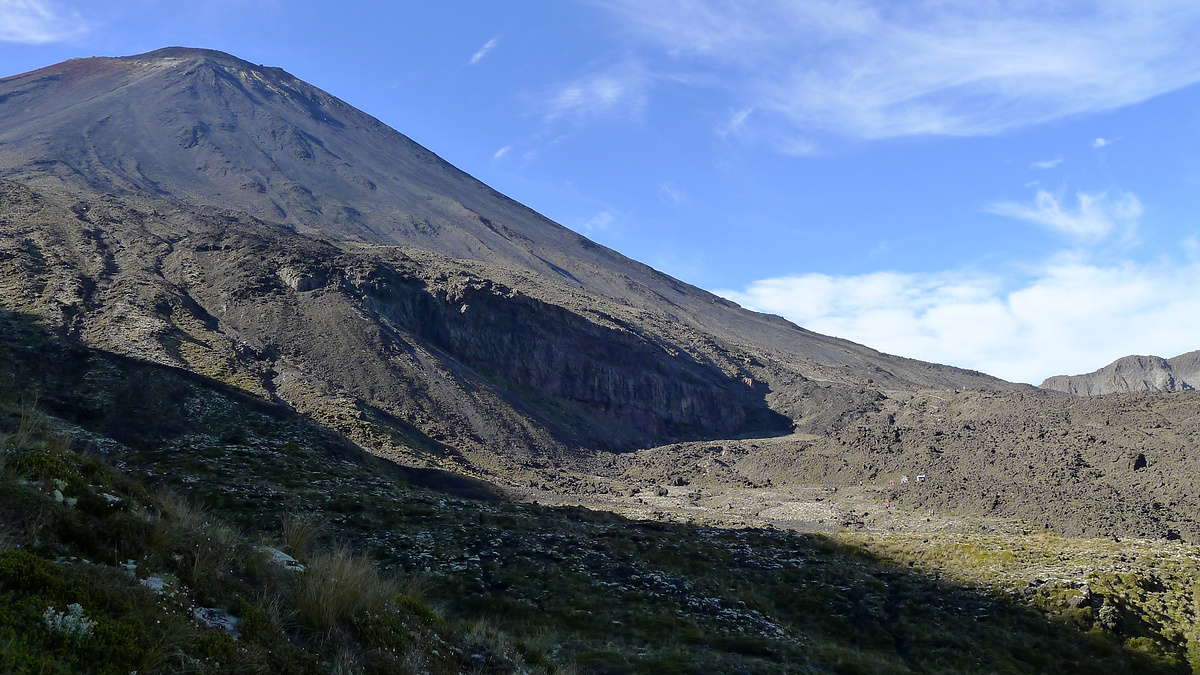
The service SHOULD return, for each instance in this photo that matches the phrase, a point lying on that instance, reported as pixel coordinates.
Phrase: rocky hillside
(152, 520)
(1133, 373)
(1120, 465)
(412, 353)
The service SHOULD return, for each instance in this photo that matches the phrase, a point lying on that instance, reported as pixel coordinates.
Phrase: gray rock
(1133, 373)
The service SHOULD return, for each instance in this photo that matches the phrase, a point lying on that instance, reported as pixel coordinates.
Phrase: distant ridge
(1131, 374)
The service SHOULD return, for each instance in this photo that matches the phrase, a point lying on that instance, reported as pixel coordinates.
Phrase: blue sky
(1007, 186)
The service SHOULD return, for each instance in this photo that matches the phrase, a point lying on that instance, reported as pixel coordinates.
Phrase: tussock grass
(300, 532)
(338, 585)
(341, 615)
(31, 421)
(204, 548)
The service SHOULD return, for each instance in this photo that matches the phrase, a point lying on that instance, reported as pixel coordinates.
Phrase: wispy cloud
(1058, 321)
(616, 92)
(1048, 164)
(484, 50)
(735, 123)
(1102, 142)
(1094, 218)
(38, 21)
(499, 154)
(875, 69)
(600, 221)
(672, 194)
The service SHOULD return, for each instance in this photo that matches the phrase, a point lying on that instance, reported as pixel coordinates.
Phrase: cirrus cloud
(616, 92)
(484, 50)
(38, 21)
(1047, 164)
(876, 69)
(1095, 217)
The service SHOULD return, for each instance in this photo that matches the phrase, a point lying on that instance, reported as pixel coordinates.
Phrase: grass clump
(336, 586)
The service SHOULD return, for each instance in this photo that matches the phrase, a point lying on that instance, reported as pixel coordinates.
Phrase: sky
(1008, 186)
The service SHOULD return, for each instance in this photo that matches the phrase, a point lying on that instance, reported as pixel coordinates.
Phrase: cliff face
(601, 384)
(1133, 373)
(547, 351)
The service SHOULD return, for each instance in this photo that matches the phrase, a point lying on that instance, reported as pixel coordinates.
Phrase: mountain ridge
(1133, 373)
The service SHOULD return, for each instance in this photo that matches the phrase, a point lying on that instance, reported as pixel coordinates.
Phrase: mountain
(401, 283)
(193, 210)
(1133, 373)
(198, 127)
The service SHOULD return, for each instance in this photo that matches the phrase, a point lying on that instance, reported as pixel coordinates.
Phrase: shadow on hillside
(853, 612)
(619, 596)
(141, 404)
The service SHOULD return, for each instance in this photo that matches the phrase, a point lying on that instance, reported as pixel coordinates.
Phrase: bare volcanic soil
(1116, 465)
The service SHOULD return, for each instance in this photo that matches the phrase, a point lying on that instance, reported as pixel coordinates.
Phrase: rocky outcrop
(539, 351)
(1133, 373)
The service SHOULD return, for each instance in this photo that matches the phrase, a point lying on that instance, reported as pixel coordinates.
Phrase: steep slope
(198, 127)
(401, 353)
(1133, 373)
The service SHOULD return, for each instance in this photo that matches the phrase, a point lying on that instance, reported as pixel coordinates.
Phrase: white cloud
(875, 69)
(618, 92)
(736, 121)
(1048, 164)
(1069, 317)
(1094, 219)
(38, 21)
(1102, 142)
(1191, 248)
(600, 221)
(499, 154)
(483, 51)
(672, 194)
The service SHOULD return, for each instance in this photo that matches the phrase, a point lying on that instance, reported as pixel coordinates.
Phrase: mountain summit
(201, 127)
(205, 128)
